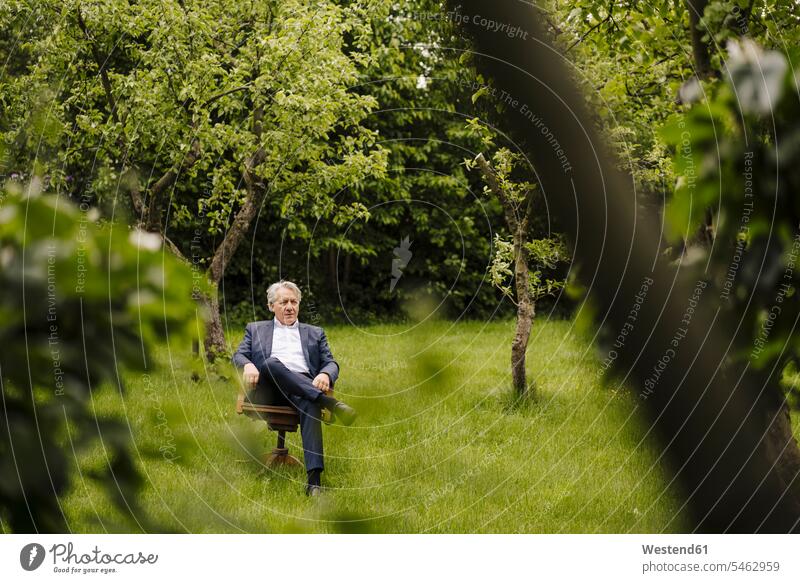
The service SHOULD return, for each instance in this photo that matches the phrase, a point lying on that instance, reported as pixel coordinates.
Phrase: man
(290, 363)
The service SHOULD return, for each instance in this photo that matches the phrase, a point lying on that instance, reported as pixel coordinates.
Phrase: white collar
(279, 325)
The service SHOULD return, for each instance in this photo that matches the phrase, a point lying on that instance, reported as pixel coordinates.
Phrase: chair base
(279, 456)
(278, 418)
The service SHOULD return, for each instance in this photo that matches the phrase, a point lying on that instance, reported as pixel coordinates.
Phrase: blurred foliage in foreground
(738, 153)
(78, 301)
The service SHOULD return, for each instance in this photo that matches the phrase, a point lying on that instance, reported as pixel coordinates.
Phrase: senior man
(288, 362)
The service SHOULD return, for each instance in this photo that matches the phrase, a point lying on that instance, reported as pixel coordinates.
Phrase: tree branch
(104, 80)
(153, 218)
(256, 191)
(211, 100)
(493, 181)
(174, 249)
(529, 209)
(702, 59)
(592, 29)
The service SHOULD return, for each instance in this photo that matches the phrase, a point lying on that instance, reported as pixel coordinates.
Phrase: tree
(732, 457)
(200, 112)
(734, 152)
(523, 258)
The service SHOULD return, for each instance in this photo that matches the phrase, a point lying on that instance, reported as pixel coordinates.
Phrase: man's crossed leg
(297, 389)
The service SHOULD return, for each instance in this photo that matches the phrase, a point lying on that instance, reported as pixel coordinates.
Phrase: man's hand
(323, 382)
(250, 374)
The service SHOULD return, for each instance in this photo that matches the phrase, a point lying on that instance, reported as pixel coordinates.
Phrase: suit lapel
(266, 338)
(304, 342)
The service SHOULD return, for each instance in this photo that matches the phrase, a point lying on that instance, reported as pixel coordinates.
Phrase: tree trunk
(702, 59)
(214, 342)
(525, 312)
(215, 336)
(525, 308)
(779, 442)
(256, 192)
(233, 237)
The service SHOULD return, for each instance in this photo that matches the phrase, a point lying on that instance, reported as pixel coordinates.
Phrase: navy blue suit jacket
(256, 348)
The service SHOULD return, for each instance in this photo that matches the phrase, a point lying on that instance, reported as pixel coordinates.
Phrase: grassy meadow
(439, 446)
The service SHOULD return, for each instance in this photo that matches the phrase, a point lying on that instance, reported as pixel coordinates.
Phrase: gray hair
(272, 291)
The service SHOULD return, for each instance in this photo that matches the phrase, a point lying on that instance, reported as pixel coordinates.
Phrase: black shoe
(313, 490)
(345, 413)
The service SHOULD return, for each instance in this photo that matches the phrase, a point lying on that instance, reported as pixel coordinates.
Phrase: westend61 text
(66, 555)
(670, 550)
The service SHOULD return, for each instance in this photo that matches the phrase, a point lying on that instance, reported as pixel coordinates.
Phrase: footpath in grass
(439, 446)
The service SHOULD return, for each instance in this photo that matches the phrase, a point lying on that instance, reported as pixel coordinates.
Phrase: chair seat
(279, 418)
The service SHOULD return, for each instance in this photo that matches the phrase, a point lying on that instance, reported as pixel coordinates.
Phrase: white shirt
(287, 347)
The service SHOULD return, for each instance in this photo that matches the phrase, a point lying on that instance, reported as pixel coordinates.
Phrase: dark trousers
(277, 385)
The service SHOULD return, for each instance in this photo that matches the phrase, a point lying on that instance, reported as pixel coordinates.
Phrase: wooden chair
(278, 418)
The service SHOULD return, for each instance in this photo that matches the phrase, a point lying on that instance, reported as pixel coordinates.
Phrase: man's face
(286, 306)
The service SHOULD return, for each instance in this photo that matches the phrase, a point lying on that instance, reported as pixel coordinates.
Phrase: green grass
(439, 446)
